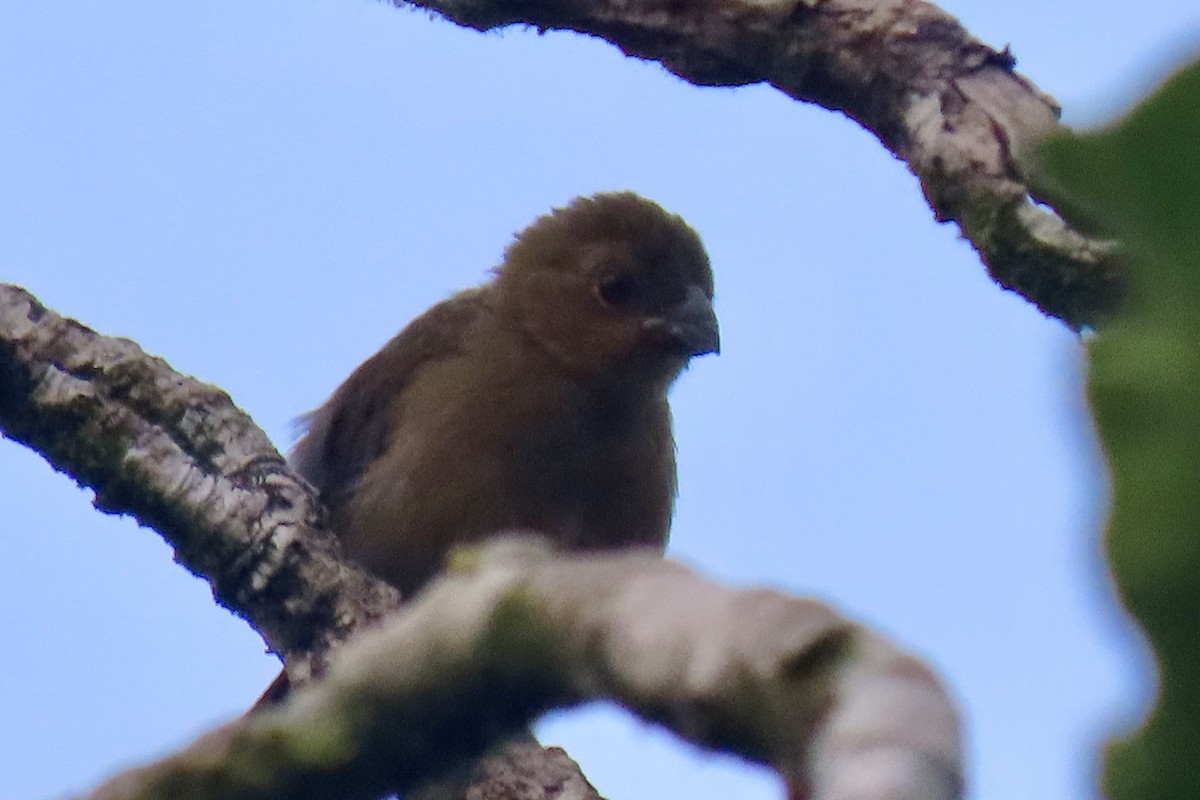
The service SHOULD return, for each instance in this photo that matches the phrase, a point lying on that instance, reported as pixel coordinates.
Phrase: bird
(536, 401)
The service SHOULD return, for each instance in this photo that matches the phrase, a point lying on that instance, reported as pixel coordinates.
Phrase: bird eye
(617, 290)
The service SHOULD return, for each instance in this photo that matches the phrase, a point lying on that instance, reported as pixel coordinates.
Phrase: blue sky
(264, 192)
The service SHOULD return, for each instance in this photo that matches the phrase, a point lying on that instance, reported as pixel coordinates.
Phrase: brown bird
(537, 401)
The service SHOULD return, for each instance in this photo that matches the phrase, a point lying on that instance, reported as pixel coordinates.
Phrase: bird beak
(692, 325)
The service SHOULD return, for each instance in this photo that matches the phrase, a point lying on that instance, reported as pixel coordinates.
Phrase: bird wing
(355, 425)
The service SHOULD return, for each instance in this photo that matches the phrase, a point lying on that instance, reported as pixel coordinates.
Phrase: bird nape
(536, 401)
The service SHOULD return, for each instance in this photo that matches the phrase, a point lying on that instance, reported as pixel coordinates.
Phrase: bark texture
(178, 456)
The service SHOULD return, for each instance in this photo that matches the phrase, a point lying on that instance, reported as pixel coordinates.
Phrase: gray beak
(692, 325)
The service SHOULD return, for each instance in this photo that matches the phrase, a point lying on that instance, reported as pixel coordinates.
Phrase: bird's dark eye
(617, 290)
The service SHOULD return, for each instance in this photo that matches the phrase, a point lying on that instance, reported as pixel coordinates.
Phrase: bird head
(612, 285)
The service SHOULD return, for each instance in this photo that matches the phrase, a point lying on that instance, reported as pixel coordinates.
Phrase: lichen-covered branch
(180, 457)
(839, 712)
(948, 105)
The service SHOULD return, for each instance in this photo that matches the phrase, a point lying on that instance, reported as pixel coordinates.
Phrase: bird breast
(477, 452)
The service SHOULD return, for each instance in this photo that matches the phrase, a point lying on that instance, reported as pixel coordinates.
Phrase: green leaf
(1139, 182)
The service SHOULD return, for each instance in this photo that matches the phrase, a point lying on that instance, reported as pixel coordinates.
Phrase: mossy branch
(835, 709)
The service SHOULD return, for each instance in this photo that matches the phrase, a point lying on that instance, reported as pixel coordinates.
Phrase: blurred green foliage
(1138, 181)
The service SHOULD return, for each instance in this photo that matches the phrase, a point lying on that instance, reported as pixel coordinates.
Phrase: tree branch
(180, 457)
(946, 104)
(840, 713)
